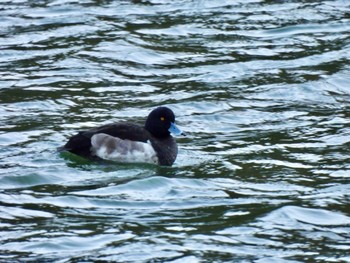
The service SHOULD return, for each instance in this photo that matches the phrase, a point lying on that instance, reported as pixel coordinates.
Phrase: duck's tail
(78, 144)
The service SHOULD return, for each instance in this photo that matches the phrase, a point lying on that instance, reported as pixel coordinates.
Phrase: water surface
(260, 87)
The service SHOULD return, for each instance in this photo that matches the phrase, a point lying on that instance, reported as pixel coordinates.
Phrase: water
(260, 87)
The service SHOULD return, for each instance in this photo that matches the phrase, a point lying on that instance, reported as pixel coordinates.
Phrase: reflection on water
(260, 87)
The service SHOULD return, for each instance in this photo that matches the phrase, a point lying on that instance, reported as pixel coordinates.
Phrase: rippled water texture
(262, 88)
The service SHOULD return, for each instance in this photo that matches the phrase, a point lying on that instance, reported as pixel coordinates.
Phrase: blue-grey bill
(175, 130)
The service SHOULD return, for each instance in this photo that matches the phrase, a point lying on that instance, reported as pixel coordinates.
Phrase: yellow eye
(162, 118)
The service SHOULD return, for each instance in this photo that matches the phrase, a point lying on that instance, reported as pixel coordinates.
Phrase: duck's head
(161, 122)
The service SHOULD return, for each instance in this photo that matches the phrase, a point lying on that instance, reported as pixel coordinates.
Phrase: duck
(126, 142)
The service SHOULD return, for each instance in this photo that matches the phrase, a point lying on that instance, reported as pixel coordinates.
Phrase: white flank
(115, 149)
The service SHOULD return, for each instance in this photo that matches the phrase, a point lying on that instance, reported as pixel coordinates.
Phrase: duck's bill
(175, 130)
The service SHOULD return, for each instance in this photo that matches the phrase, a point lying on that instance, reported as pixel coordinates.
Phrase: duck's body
(127, 142)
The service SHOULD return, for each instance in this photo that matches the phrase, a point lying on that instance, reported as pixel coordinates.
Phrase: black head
(160, 122)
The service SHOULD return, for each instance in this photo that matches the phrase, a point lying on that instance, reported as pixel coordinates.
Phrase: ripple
(298, 217)
(13, 213)
(66, 244)
(158, 188)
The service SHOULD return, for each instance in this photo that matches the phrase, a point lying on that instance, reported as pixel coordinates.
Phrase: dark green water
(262, 89)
